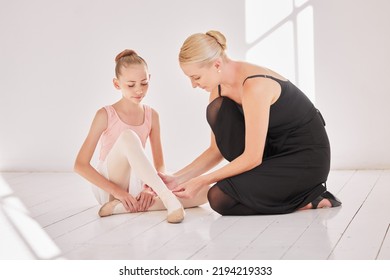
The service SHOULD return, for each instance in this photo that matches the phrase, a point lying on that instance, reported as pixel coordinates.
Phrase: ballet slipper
(108, 208)
(115, 207)
(176, 216)
(173, 205)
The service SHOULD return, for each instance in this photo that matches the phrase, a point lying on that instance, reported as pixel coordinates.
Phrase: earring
(219, 70)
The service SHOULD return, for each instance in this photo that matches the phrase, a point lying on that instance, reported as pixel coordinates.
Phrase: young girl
(123, 129)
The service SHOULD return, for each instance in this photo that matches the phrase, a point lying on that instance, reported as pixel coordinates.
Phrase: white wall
(352, 43)
(56, 66)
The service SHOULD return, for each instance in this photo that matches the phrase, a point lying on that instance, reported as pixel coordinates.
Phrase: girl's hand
(128, 201)
(169, 180)
(191, 188)
(149, 189)
(145, 200)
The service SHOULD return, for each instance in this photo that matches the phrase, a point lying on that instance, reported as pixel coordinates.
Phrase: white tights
(127, 155)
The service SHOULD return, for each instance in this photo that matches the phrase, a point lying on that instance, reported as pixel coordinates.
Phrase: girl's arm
(84, 168)
(155, 143)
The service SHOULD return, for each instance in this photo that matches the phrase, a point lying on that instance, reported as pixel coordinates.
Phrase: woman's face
(204, 77)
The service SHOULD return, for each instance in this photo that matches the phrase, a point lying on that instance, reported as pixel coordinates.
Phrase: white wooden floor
(54, 216)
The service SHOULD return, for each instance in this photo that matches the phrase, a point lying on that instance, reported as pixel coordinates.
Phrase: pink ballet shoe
(108, 208)
(176, 216)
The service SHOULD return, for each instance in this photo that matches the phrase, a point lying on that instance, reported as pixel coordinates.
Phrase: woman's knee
(217, 201)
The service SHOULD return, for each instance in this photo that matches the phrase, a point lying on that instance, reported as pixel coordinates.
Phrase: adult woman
(268, 130)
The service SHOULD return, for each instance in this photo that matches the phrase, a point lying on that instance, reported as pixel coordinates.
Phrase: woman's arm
(84, 168)
(155, 143)
(256, 101)
(203, 163)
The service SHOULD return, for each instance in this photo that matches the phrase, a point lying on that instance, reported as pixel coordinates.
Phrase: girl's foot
(176, 216)
(172, 204)
(108, 208)
(115, 207)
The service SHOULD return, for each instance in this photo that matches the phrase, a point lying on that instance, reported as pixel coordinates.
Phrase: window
(279, 35)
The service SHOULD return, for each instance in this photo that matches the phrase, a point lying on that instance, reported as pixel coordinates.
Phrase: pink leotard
(116, 126)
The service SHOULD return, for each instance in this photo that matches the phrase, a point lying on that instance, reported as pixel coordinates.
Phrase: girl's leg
(119, 176)
(126, 156)
(198, 200)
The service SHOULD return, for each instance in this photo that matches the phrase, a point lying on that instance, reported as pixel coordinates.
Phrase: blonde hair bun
(219, 37)
(203, 48)
(126, 58)
(125, 53)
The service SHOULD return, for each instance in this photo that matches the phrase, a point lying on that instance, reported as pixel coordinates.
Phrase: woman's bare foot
(325, 200)
(324, 203)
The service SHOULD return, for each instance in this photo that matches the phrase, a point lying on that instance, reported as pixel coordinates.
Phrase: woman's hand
(169, 180)
(145, 200)
(191, 188)
(128, 201)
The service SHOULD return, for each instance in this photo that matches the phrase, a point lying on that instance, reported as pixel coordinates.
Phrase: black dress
(296, 158)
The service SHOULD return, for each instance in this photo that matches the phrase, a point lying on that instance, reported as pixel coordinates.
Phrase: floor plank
(371, 217)
(318, 239)
(62, 212)
(384, 253)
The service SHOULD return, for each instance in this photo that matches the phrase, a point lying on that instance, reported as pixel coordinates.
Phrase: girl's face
(133, 82)
(206, 77)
